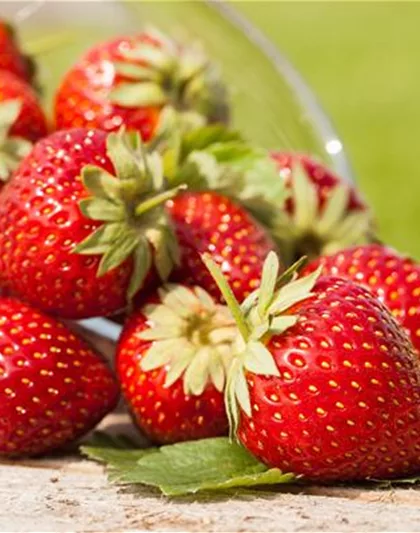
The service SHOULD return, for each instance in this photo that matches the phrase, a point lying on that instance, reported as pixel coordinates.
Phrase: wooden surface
(72, 494)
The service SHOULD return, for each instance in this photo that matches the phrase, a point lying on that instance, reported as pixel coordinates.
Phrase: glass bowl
(271, 103)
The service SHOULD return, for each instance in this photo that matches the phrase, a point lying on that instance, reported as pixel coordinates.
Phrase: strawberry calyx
(131, 207)
(192, 335)
(165, 73)
(12, 148)
(216, 158)
(314, 231)
(266, 312)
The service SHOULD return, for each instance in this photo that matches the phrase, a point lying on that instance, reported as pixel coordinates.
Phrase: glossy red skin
(31, 123)
(54, 387)
(347, 403)
(323, 178)
(11, 58)
(164, 414)
(210, 222)
(82, 99)
(40, 223)
(394, 279)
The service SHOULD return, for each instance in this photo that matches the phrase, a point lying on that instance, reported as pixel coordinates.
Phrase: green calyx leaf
(168, 74)
(266, 312)
(192, 337)
(142, 94)
(315, 230)
(12, 148)
(218, 159)
(131, 207)
(189, 467)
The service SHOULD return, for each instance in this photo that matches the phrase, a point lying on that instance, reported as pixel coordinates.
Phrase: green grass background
(362, 60)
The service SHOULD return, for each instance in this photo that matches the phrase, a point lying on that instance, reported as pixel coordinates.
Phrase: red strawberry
(129, 80)
(324, 213)
(83, 225)
(394, 279)
(11, 57)
(171, 361)
(22, 121)
(326, 385)
(210, 222)
(54, 387)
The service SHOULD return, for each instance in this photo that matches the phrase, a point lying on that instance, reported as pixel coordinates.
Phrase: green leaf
(101, 439)
(4, 170)
(242, 392)
(162, 314)
(102, 209)
(9, 112)
(119, 147)
(197, 374)
(291, 273)
(259, 360)
(161, 353)
(142, 262)
(207, 167)
(113, 453)
(202, 138)
(154, 57)
(179, 365)
(217, 374)
(230, 151)
(190, 174)
(194, 62)
(204, 297)
(354, 229)
(12, 151)
(261, 190)
(158, 238)
(178, 298)
(280, 324)
(405, 481)
(333, 211)
(203, 465)
(294, 292)
(100, 240)
(155, 167)
(136, 72)
(118, 252)
(142, 94)
(269, 277)
(305, 199)
(259, 329)
(100, 183)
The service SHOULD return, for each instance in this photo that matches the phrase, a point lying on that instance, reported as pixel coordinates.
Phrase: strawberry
(211, 222)
(391, 277)
(89, 208)
(11, 57)
(172, 359)
(324, 383)
(22, 121)
(54, 387)
(129, 80)
(323, 213)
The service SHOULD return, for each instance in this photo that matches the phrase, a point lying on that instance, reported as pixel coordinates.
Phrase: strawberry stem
(228, 295)
(160, 198)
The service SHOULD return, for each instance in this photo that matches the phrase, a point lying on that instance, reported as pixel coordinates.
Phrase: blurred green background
(361, 58)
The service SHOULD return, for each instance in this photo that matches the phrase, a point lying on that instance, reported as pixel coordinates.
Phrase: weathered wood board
(69, 493)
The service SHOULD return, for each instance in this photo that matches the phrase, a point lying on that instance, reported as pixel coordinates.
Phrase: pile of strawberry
(139, 202)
